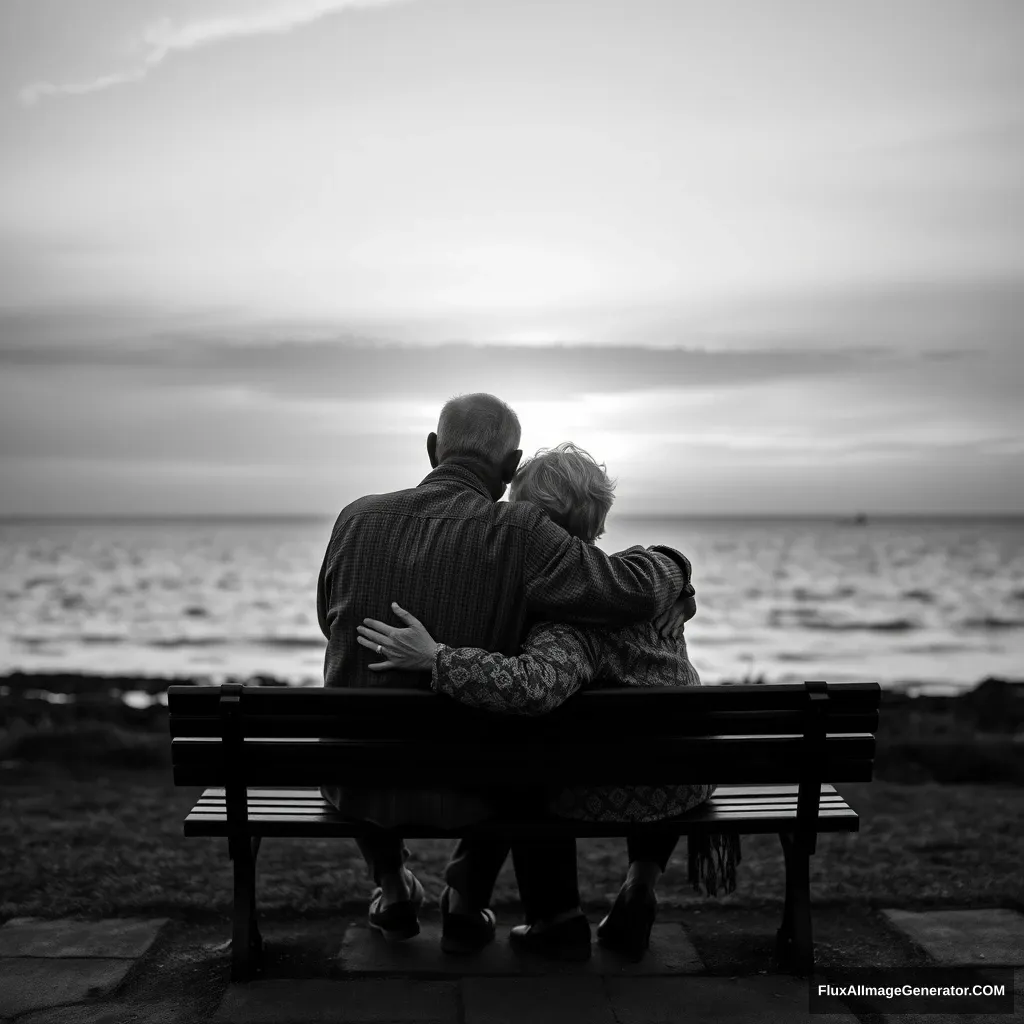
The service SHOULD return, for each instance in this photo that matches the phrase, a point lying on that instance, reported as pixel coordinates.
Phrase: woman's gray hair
(477, 426)
(570, 485)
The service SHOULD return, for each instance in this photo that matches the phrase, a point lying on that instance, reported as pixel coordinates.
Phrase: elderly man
(478, 568)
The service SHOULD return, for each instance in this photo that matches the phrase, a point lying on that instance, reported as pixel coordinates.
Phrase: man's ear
(509, 465)
(432, 449)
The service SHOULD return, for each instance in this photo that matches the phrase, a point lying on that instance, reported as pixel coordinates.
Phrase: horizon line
(855, 517)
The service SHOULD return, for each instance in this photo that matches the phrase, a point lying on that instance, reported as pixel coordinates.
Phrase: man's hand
(411, 648)
(670, 623)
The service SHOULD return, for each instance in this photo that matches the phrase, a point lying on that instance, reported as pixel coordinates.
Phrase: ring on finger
(380, 649)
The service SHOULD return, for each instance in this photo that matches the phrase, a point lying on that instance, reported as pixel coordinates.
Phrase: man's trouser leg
(474, 868)
(546, 873)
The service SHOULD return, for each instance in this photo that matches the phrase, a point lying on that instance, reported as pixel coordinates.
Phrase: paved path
(513, 1000)
(107, 972)
(44, 964)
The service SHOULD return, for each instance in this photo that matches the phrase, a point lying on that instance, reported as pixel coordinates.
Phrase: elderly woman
(556, 660)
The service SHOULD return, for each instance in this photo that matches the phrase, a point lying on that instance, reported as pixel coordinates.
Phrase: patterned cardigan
(557, 660)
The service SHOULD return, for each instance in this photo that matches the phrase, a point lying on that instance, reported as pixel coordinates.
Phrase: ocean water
(932, 604)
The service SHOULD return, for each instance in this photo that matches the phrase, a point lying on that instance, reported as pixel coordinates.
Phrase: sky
(757, 256)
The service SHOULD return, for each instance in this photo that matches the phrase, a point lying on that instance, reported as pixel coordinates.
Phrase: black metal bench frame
(784, 743)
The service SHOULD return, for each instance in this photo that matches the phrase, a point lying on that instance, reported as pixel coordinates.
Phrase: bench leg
(246, 940)
(794, 943)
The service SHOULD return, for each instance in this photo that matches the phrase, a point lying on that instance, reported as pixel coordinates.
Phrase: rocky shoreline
(974, 736)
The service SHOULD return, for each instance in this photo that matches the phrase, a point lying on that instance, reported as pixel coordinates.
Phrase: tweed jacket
(557, 660)
(474, 571)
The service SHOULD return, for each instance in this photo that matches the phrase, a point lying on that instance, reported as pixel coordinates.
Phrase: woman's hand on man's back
(410, 647)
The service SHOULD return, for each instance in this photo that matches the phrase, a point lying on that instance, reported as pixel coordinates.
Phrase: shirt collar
(463, 474)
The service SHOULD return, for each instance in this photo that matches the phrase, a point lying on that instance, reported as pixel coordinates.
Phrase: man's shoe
(568, 940)
(397, 921)
(465, 933)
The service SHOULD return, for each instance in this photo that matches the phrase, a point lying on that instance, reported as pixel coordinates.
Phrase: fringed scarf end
(713, 859)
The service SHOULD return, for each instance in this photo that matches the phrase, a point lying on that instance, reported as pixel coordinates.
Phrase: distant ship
(860, 519)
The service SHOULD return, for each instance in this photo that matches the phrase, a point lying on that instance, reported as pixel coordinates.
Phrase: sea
(926, 605)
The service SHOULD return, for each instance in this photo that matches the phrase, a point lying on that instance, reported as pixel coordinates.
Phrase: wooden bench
(775, 750)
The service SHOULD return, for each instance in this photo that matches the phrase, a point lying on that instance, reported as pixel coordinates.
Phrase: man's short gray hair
(477, 426)
(570, 485)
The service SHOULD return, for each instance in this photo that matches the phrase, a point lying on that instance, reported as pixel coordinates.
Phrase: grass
(97, 843)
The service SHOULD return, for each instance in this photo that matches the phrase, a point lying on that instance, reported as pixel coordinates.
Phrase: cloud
(347, 368)
(305, 426)
(163, 38)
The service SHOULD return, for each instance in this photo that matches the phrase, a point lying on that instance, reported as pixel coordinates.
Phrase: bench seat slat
(295, 812)
(739, 808)
(329, 827)
(311, 808)
(215, 796)
(265, 813)
(769, 810)
(263, 803)
(731, 790)
(527, 830)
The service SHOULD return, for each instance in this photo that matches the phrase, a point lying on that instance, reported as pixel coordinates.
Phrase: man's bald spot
(480, 425)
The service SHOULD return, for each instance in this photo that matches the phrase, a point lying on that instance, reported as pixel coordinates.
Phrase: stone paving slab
(86, 1013)
(353, 1001)
(965, 938)
(537, 1001)
(363, 950)
(113, 937)
(772, 999)
(34, 983)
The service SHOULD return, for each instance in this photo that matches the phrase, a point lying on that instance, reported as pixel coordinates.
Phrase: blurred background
(765, 260)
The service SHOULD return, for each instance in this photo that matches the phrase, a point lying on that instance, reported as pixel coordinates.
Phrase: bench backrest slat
(388, 737)
(506, 775)
(621, 703)
(718, 723)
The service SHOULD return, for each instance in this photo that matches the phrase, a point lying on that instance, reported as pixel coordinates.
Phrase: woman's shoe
(627, 928)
